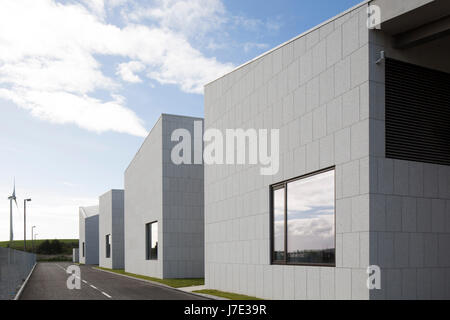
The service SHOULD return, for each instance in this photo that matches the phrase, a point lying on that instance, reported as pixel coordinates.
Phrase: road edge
(19, 293)
(206, 296)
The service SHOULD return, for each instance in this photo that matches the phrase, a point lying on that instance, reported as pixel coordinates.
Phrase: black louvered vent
(417, 113)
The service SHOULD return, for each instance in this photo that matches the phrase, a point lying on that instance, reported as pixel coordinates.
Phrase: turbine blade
(16, 203)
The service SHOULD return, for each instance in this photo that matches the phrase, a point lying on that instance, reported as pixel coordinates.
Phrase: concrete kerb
(206, 296)
(19, 293)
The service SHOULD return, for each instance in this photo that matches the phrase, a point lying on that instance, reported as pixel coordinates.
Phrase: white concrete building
(164, 218)
(88, 243)
(111, 230)
(364, 173)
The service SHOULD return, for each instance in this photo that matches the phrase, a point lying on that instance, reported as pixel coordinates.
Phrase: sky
(83, 82)
(310, 213)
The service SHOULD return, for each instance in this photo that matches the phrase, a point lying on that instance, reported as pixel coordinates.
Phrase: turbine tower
(11, 198)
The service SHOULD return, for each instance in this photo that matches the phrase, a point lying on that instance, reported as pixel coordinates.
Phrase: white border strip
(24, 283)
(293, 39)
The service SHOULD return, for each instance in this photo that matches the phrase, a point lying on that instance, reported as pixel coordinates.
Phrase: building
(164, 218)
(111, 230)
(76, 255)
(88, 246)
(364, 176)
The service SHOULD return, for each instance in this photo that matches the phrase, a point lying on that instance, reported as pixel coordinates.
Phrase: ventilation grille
(417, 113)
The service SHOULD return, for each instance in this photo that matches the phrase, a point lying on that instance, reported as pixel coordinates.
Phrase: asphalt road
(48, 282)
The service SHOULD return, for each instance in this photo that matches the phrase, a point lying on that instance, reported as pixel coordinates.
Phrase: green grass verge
(55, 259)
(174, 283)
(228, 295)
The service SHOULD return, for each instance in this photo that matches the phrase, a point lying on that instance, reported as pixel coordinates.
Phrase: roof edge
(163, 115)
(292, 40)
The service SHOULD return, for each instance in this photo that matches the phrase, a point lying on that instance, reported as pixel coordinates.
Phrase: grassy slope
(174, 283)
(228, 295)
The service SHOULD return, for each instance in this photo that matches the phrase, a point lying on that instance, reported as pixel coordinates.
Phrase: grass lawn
(228, 295)
(174, 283)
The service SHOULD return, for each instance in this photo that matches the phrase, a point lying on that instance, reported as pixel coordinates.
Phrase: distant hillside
(66, 245)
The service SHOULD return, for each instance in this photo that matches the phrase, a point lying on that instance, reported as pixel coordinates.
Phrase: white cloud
(49, 61)
(309, 194)
(87, 112)
(206, 20)
(311, 213)
(96, 6)
(322, 227)
(192, 18)
(127, 71)
(310, 233)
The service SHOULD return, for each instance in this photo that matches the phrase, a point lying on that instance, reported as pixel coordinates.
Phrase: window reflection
(278, 241)
(154, 241)
(310, 211)
(310, 205)
(151, 246)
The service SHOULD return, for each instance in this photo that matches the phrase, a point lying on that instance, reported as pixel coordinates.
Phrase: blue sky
(81, 82)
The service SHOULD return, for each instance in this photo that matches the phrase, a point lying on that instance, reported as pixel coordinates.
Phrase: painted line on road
(19, 293)
(92, 286)
(61, 267)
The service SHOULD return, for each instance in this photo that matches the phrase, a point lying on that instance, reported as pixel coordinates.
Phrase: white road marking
(61, 267)
(93, 287)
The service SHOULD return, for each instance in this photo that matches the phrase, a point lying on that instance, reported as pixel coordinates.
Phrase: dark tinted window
(108, 245)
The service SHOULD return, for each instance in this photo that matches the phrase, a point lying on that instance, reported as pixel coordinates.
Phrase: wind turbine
(11, 198)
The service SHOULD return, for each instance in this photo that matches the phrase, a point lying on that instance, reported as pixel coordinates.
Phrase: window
(83, 250)
(151, 241)
(303, 220)
(278, 220)
(108, 245)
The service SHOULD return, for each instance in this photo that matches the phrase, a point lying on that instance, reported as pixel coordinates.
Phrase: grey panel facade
(88, 243)
(315, 90)
(325, 93)
(172, 195)
(75, 255)
(111, 223)
(410, 201)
